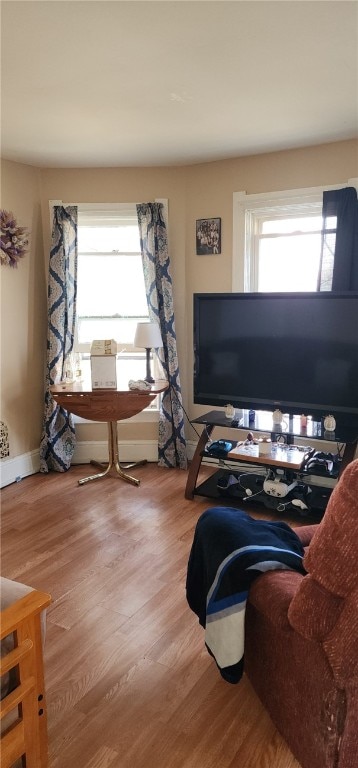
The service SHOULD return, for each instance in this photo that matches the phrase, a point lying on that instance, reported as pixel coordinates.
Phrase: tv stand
(284, 457)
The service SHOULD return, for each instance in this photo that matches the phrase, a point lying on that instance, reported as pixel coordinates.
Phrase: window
(288, 252)
(111, 296)
(278, 242)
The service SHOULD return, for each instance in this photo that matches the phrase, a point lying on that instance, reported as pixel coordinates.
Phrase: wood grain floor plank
(129, 682)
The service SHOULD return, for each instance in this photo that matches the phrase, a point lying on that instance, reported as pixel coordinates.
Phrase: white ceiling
(147, 82)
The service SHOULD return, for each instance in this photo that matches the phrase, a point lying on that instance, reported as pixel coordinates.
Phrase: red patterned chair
(301, 644)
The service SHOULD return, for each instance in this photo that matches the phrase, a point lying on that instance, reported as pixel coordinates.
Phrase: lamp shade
(148, 336)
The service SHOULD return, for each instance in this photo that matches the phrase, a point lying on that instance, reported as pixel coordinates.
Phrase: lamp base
(149, 377)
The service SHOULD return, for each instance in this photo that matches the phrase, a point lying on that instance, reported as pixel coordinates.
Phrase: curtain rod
(105, 206)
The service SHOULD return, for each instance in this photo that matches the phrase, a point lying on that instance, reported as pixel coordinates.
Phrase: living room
(196, 186)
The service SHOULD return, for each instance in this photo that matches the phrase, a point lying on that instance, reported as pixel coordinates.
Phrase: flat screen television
(294, 351)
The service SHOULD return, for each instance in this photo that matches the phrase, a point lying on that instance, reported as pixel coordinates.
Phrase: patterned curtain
(58, 437)
(158, 283)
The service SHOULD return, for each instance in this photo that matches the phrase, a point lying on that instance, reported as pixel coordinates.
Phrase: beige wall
(197, 191)
(210, 189)
(23, 314)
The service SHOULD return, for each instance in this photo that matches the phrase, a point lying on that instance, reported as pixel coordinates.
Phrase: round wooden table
(110, 405)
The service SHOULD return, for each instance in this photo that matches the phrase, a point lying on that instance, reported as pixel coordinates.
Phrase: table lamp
(148, 336)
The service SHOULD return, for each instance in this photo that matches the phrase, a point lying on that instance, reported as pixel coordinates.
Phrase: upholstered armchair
(301, 644)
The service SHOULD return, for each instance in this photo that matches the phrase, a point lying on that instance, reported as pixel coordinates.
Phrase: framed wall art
(208, 236)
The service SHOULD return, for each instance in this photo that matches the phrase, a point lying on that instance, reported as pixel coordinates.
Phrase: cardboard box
(103, 364)
(104, 347)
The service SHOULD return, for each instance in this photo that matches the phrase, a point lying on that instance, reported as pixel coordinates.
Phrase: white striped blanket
(230, 549)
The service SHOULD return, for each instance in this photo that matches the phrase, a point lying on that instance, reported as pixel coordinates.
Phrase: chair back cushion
(325, 606)
(332, 555)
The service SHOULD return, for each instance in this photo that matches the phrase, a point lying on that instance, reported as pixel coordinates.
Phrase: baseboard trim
(12, 470)
(128, 451)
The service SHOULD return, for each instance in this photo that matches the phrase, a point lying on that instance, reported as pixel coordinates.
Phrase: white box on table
(103, 364)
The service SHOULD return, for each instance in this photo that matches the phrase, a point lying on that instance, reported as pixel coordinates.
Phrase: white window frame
(247, 209)
(112, 212)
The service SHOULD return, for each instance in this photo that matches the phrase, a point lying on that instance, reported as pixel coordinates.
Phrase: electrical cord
(340, 449)
(255, 469)
(281, 507)
(172, 389)
(235, 465)
(249, 494)
(209, 440)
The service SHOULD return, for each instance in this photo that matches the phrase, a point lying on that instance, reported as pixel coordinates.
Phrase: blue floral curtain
(158, 283)
(339, 251)
(58, 438)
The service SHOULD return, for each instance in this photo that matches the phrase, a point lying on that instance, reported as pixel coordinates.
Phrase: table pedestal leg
(113, 459)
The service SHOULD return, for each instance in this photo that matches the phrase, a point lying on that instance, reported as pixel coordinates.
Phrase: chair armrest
(30, 604)
(18, 602)
(314, 611)
(11, 591)
(271, 594)
(306, 533)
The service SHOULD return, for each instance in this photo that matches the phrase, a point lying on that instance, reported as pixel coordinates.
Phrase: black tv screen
(294, 351)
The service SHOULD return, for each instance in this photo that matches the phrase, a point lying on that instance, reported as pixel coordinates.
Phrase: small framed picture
(208, 236)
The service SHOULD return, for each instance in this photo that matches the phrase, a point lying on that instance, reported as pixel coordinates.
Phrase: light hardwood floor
(129, 682)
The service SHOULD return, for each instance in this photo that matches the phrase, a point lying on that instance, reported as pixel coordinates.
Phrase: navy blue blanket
(230, 549)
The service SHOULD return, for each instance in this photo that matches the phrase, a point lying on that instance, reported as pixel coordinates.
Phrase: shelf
(285, 455)
(281, 456)
(290, 427)
(317, 499)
